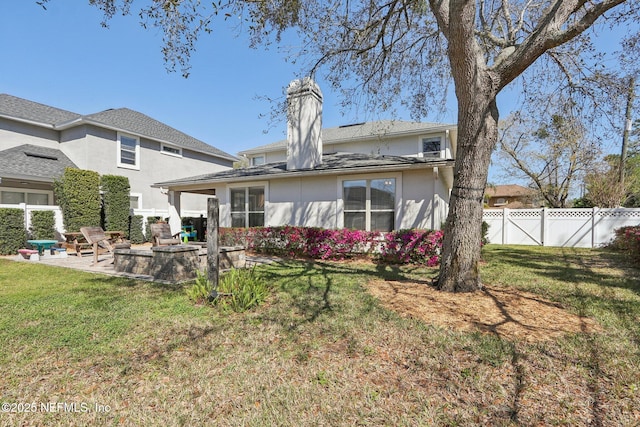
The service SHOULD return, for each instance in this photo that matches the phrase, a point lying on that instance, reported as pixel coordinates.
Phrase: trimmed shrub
(115, 202)
(78, 194)
(627, 240)
(13, 235)
(43, 225)
(136, 235)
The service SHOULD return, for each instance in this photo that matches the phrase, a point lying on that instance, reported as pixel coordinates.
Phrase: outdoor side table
(42, 245)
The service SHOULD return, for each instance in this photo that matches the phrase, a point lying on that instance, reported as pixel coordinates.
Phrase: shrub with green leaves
(199, 292)
(43, 225)
(78, 194)
(239, 290)
(13, 235)
(135, 229)
(115, 202)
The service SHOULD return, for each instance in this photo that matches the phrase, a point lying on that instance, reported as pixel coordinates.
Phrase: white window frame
(26, 191)
(164, 147)
(136, 152)
(258, 156)
(368, 177)
(246, 186)
(139, 196)
(429, 154)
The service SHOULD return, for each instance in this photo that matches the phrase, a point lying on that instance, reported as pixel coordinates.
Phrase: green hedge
(115, 202)
(13, 235)
(78, 194)
(136, 235)
(43, 225)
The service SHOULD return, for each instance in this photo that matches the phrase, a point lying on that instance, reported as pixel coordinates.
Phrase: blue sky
(62, 57)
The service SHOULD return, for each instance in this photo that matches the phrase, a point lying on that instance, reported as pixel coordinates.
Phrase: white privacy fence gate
(582, 228)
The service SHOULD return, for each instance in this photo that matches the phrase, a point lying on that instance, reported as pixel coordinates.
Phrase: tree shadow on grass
(573, 266)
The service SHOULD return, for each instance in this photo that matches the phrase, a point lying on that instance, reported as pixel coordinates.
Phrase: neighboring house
(385, 175)
(38, 141)
(511, 196)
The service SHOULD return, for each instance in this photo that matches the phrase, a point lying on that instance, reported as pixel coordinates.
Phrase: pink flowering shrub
(412, 246)
(403, 246)
(628, 240)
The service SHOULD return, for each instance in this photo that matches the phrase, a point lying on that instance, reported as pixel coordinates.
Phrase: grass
(320, 351)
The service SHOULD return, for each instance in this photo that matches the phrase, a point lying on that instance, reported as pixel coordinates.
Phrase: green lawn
(321, 351)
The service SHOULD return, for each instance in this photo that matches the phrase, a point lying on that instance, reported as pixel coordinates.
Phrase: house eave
(23, 177)
(202, 184)
(27, 121)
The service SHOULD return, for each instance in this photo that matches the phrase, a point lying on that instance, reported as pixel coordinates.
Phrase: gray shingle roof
(368, 130)
(141, 124)
(122, 119)
(33, 162)
(331, 163)
(19, 108)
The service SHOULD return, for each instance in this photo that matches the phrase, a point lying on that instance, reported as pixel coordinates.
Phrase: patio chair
(97, 238)
(161, 235)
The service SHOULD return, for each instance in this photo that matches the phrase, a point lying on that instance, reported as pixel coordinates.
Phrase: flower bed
(400, 247)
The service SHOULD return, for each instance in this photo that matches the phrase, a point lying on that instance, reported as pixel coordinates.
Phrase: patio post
(213, 248)
(175, 222)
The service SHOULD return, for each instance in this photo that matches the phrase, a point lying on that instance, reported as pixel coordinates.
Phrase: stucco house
(384, 175)
(38, 141)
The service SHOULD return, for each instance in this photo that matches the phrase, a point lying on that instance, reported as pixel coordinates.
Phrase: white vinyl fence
(581, 228)
(58, 214)
(27, 209)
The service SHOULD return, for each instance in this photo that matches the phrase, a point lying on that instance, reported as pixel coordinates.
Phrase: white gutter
(305, 173)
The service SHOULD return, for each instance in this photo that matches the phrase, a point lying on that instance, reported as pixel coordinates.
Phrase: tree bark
(476, 91)
(461, 250)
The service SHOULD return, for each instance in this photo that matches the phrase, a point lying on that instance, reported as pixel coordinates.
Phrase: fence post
(25, 215)
(593, 226)
(505, 222)
(544, 226)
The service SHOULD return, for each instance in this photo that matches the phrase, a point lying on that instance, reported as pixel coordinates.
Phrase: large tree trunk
(459, 268)
(476, 90)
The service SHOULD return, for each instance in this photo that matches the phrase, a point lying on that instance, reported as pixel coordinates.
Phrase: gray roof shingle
(12, 106)
(122, 119)
(33, 162)
(331, 163)
(141, 124)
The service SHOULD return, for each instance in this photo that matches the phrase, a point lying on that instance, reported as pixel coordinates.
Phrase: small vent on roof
(352, 124)
(41, 156)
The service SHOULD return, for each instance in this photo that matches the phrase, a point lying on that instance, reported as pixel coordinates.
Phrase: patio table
(42, 245)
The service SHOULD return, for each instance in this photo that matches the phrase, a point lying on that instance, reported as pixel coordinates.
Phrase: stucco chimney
(304, 124)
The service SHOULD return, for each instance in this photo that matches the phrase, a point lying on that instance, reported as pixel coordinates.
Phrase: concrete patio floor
(105, 263)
